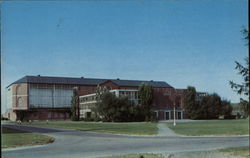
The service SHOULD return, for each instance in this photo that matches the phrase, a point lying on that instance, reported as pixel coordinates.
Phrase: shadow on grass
(6, 130)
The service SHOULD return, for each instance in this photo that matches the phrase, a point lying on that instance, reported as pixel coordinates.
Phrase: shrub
(74, 118)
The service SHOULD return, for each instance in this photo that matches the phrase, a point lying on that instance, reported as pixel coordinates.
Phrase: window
(62, 115)
(49, 114)
(67, 115)
(19, 101)
(88, 114)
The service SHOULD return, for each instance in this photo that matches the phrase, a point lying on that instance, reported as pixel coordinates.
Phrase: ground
(15, 138)
(79, 144)
(212, 127)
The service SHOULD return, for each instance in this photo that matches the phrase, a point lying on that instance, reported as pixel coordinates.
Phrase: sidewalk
(163, 130)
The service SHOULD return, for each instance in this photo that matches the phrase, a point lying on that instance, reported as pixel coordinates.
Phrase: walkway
(163, 130)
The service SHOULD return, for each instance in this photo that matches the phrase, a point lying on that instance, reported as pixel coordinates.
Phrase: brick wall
(20, 96)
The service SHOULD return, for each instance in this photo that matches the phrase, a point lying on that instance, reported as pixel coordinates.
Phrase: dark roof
(88, 81)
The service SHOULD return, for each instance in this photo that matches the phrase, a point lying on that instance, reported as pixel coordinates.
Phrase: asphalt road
(78, 144)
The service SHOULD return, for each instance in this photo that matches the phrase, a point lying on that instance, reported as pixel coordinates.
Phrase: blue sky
(183, 43)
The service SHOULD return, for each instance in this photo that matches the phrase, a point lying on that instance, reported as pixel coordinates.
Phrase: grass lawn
(137, 156)
(138, 128)
(222, 153)
(212, 127)
(16, 138)
(237, 151)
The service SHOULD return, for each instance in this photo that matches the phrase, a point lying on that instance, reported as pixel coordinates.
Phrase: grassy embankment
(138, 128)
(17, 138)
(212, 127)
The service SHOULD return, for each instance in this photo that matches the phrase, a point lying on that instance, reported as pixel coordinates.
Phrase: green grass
(212, 127)
(137, 156)
(17, 138)
(137, 128)
(227, 152)
(237, 151)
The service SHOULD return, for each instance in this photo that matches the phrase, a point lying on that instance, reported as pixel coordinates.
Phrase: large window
(50, 96)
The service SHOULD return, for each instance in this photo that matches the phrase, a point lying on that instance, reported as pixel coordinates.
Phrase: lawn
(137, 156)
(138, 128)
(212, 127)
(237, 151)
(222, 153)
(16, 138)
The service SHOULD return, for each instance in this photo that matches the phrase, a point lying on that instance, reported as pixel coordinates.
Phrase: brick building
(49, 98)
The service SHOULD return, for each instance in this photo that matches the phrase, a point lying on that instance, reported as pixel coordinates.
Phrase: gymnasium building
(49, 98)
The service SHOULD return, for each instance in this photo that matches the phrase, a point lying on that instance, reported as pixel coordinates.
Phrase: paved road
(78, 144)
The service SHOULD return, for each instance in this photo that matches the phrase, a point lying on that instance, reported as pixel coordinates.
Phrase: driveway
(79, 144)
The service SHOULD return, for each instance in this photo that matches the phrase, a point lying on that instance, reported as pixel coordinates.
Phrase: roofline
(89, 79)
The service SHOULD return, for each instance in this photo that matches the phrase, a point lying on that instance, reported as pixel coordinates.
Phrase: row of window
(129, 94)
(87, 99)
(55, 115)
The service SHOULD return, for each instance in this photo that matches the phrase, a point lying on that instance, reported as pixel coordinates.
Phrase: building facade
(49, 98)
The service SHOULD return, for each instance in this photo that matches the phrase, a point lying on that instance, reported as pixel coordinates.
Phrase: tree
(146, 97)
(75, 106)
(242, 88)
(226, 108)
(115, 109)
(211, 106)
(243, 70)
(191, 106)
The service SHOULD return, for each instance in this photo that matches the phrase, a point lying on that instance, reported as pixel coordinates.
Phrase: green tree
(75, 106)
(115, 109)
(243, 70)
(106, 106)
(146, 97)
(190, 104)
(211, 107)
(226, 108)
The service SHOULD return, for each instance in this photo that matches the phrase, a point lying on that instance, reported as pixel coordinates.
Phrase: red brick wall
(84, 90)
(163, 98)
(110, 84)
(47, 114)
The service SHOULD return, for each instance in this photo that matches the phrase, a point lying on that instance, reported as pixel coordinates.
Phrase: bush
(74, 118)
(229, 117)
(87, 119)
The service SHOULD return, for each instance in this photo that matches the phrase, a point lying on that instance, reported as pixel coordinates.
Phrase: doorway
(179, 115)
(167, 115)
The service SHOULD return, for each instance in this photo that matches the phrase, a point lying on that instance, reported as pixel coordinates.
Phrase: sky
(184, 43)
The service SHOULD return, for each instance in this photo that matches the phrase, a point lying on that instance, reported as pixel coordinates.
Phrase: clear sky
(181, 42)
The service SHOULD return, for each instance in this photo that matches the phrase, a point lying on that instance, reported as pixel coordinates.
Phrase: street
(79, 144)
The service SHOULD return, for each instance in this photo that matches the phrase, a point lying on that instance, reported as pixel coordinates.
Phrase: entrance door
(179, 115)
(167, 115)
